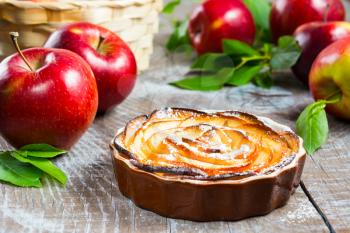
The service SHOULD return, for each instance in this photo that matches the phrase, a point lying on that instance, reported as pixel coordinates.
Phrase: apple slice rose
(205, 145)
(109, 56)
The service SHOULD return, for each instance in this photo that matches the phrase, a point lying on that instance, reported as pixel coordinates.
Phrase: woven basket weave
(135, 21)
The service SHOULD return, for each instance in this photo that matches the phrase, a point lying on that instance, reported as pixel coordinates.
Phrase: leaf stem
(245, 60)
(333, 98)
(14, 37)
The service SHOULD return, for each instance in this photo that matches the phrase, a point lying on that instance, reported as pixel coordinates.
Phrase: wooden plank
(326, 173)
(297, 216)
(91, 201)
(187, 226)
(330, 186)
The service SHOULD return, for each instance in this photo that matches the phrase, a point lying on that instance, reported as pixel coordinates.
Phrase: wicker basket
(136, 21)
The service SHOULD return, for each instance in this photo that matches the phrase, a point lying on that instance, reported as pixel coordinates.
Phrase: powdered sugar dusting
(165, 113)
(231, 155)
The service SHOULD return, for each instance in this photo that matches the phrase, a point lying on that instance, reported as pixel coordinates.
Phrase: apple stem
(14, 37)
(101, 39)
(325, 15)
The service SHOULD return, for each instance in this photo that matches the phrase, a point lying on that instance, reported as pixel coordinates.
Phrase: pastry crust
(196, 194)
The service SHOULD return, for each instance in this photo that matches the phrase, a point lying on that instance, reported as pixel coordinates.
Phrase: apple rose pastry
(205, 165)
(206, 145)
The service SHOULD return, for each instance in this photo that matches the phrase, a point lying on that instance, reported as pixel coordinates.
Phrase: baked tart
(206, 165)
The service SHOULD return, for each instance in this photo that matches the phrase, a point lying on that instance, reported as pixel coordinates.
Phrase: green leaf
(262, 36)
(286, 54)
(207, 82)
(266, 48)
(244, 75)
(43, 164)
(178, 40)
(170, 6)
(260, 10)
(263, 80)
(312, 126)
(18, 173)
(238, 48)
(40, 150)
(212, 62)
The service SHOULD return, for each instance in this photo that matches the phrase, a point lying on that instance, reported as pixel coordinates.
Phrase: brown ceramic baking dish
(185, 197)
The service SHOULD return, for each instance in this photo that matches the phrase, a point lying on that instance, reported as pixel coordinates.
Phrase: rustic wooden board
(91, 202)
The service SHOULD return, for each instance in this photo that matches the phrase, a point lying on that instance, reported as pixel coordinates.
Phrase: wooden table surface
(91, 201)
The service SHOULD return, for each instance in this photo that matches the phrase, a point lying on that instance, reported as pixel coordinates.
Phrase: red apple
(110, 58)
(313, 38)
(53, 103)
(213, 21)
(287, 15)
(330, 77)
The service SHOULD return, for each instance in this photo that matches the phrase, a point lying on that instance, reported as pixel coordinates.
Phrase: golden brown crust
(207, 200)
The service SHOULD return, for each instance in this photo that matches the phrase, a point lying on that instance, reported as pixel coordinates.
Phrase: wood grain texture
(91, 201)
